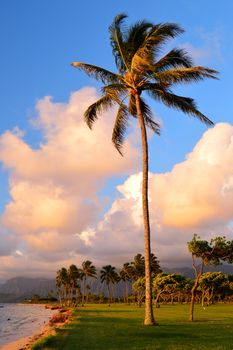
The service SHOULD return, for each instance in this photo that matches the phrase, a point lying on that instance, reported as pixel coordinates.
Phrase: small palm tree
(74, 276)
(62, 281)
(154, 263)
(126, 274)
(138, 266)
(88, 270)
(59, 287)
(109, 275)
(136, 51)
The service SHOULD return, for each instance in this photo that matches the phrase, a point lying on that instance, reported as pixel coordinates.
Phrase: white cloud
(54, 188)
(54, 212)
(195, 197)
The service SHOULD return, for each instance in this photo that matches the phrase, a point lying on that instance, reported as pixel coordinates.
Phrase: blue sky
(39, 40)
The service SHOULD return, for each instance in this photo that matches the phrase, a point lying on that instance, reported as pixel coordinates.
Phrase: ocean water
(21, 320)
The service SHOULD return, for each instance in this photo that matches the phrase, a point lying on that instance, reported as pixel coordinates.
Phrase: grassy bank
(120, 327)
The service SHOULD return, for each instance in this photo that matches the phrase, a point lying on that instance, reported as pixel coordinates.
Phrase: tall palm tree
(88, 270)
(136, 51)
(109, 275)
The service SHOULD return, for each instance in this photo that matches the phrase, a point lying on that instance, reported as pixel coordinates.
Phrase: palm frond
(97, 72)
(117, 91)
(148, 117)
(180, 75)
(155, 38)
(185, 104)
(174, 59)
(120, 127)
(92, 112)
(135, 38)
(116, 31)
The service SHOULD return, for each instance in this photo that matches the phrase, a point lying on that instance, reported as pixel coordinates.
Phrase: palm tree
(62, 280)
(126, 274)
(59, 287)
(74, 275)
(138, 266)
(154, 263)
(109, 275)
(136, 51)
(88, 270)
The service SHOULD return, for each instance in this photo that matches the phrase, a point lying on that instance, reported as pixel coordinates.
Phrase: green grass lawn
(121, 327)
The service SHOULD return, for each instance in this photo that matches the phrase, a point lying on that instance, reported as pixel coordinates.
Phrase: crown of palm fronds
(136, 50)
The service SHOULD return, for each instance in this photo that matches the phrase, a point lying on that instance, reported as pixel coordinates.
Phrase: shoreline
(25, 343)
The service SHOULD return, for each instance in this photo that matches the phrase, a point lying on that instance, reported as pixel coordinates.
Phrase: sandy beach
(24, 342)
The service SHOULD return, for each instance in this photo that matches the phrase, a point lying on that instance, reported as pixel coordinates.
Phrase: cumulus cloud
(194, 197)
(54, 187)
(55, 216)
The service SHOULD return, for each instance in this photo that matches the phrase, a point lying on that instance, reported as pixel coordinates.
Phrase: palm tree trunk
(149, 316)
(84, 290)
(109, 295)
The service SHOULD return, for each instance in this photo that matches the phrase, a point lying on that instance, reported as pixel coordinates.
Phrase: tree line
(73, 284)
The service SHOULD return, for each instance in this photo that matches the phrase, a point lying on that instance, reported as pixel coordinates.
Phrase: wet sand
(25, 343)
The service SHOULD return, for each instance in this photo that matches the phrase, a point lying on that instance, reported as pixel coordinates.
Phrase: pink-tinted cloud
(196, 196)
(54, 187)
(55, 215)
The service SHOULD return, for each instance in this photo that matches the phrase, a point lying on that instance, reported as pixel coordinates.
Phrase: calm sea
(21, 320)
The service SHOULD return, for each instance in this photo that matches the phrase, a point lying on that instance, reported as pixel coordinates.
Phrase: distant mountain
(19, 288)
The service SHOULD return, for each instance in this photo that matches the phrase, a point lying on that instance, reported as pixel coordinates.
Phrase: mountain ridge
(17, 289)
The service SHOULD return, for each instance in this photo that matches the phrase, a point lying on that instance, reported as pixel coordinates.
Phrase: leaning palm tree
(136, 51)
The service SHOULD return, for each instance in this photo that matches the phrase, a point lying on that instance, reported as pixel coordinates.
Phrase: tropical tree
(59, 286)
(109, 276)
(136, 50)
(62, 281)
(206, 253)
(212, 283)
(155, 267)
(126, 274)
(87, 270)
(74, 276)
(138, 267)
(167, 283)
(139, 287)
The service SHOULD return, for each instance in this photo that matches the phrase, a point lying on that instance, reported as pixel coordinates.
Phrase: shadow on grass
(118, 328)
(83, 309)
